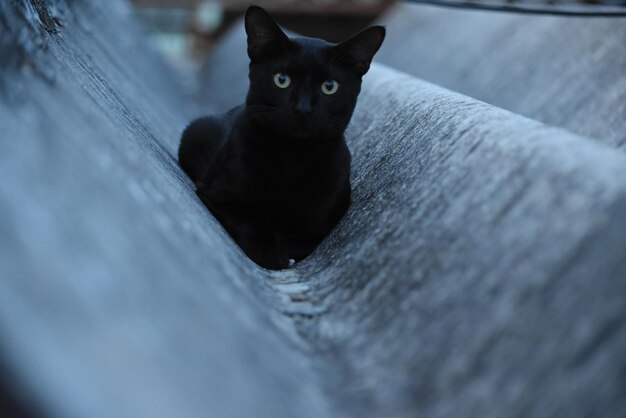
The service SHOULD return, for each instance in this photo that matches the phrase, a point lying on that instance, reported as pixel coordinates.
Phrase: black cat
(276, 171)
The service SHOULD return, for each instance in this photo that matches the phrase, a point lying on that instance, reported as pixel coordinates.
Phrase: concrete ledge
(481, 269)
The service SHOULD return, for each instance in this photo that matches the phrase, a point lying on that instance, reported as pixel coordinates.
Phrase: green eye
(330, 87)
(282, 80)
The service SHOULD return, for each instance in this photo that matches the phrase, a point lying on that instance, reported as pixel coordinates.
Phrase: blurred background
(187, 29)
(184, 29)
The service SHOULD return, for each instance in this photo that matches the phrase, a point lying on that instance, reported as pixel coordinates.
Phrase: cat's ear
(265, 38)
(357, 52)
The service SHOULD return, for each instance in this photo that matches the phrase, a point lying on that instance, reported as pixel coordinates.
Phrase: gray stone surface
(565, 71)
(480, 271)
(119, 295)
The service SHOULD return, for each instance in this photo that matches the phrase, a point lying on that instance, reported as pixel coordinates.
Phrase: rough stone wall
(479, 272)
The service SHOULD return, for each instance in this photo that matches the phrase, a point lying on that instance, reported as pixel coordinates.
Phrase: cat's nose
(303, 106)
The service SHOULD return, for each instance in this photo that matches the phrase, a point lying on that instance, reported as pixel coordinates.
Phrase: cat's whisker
(336, 125)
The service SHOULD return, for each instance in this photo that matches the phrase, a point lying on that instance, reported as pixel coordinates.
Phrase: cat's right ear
(265, 38)
(357, 52)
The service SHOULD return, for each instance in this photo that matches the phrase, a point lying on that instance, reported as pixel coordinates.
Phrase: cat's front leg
(261, 245)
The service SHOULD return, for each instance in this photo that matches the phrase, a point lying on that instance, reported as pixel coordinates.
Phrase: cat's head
(305, 87)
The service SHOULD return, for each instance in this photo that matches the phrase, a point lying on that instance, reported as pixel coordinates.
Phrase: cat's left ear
(357, 52)
(265, 38)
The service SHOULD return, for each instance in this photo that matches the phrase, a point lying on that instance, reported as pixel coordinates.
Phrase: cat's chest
(280, 175)
(264, 172)
(290, 173)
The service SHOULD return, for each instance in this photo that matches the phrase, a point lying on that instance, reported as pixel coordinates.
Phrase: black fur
(276, 171)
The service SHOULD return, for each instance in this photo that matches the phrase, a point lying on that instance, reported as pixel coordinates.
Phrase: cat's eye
(330, 87)
(282, 80)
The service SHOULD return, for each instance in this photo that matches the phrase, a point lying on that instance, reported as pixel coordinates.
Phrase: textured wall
(479, 272)
(564, 71)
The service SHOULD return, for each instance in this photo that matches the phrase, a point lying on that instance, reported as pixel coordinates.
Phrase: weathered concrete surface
(479, 272)
(565, 71)
(482, 267)
(119, 295)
